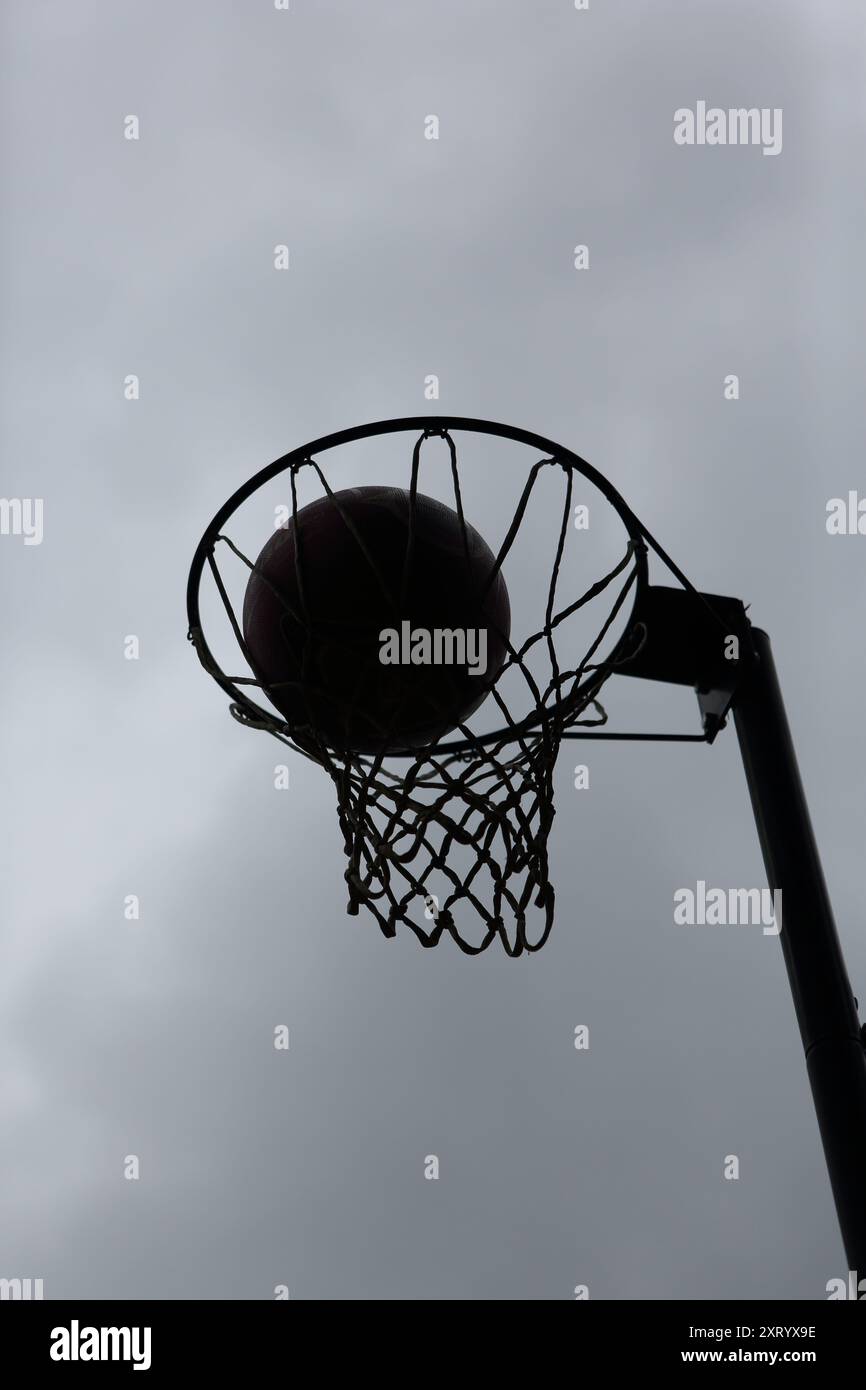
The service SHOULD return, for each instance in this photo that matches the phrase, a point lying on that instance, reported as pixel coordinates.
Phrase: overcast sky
(411, 257)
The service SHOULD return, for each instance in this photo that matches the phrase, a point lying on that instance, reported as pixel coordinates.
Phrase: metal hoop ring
(427, 425)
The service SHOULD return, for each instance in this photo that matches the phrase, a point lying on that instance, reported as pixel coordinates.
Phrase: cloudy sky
(153, 1038)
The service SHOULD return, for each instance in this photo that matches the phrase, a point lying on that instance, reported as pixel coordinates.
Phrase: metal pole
(825, 1006)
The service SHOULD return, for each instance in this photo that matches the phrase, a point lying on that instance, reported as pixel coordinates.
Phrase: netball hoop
(450, 837)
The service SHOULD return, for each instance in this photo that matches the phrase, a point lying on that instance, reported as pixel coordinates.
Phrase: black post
(826, 1011)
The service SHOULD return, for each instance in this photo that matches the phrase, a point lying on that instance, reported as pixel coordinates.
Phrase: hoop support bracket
(696, 639)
